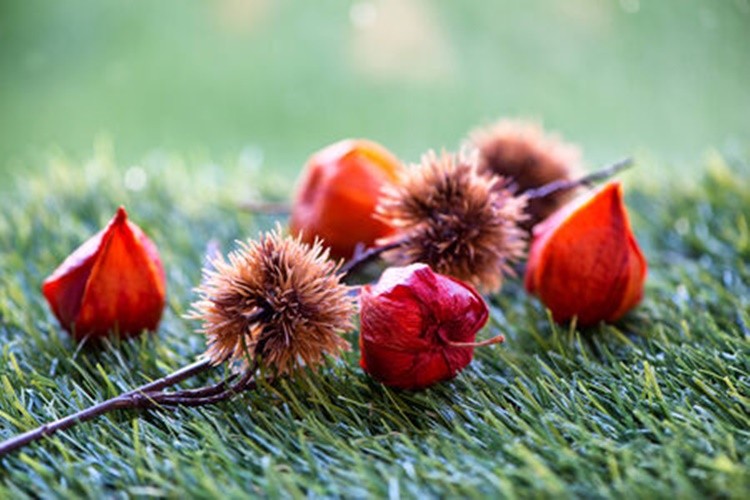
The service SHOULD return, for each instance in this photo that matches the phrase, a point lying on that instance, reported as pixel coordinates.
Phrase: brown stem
(146, 396)
(132, 399)
(203, 391)
(362, 257)
(564, 185)
(177, 399)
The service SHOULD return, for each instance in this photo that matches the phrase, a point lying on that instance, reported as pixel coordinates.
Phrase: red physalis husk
(584, 261)
(418, 327)
(113, 282)
(338, 192)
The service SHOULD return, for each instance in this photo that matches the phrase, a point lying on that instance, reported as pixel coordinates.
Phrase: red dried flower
(336, 197)
(418, 327)
(584, 261)
(113, 282)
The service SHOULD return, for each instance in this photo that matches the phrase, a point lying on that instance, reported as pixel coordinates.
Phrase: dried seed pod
(338, 192)
(276, 298)
(523, 152)
(113, 282)
(418, 327)
(460, 223)
(584, 261)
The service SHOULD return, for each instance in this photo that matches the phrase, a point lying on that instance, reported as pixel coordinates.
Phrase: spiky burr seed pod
(459, 222)
(276, 299)
(522, 151)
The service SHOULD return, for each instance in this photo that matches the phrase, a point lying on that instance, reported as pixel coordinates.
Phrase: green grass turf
(655, 406)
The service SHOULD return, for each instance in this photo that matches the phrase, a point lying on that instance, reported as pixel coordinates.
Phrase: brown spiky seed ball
(459, 222)
(277, 299)
(522, 151)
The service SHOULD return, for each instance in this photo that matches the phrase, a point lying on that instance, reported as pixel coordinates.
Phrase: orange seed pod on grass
(114, 281)
(584, 261)
(338, 192)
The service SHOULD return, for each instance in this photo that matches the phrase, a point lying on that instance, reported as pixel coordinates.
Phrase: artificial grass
(657, 405)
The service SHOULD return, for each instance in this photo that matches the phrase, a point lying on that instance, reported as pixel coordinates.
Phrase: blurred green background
(266, 82)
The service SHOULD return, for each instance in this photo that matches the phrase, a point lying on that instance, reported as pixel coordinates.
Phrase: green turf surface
(655, 406)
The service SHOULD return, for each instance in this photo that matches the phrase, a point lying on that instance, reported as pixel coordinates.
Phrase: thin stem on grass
(362, 257)
(131, 399)
(149, 395)
(565, 185)
(246, 382)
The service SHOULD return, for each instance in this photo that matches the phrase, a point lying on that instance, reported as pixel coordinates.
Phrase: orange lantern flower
(338, 192)
(113, 282)
(584, 261)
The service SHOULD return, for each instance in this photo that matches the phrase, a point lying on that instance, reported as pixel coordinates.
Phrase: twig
(204, 391)
(557, 186)
(177, 399)
(146, 396)
(362, 257)
(130, 399)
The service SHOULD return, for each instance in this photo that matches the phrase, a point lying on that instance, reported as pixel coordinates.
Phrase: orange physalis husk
(418, 327)
(337, 194)
(584, 261)
(114, 282)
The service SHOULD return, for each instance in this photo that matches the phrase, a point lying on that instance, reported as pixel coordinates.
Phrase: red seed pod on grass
(338, 192)
(584, 261)
(418, 327)
(113, 282)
